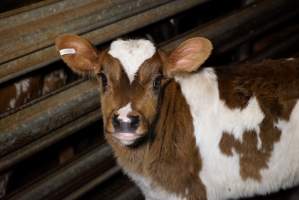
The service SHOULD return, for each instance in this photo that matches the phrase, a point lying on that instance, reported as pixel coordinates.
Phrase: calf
(25, 90)
(181, 132)
(21, 92)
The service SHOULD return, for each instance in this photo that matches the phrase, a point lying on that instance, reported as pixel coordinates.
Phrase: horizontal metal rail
(132, 193)
(275, 49)
(51, 138)
(34, 54)
(37, 11)
(41, 32)
(230, 31)
(38, 120)
(35, 121)
(27, 8)
(64, 179)
(93, 183)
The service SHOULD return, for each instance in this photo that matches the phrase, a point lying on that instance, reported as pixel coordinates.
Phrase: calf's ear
(188, 56)
(78, 53)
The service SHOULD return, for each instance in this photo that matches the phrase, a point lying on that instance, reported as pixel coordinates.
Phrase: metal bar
(45, 96)
(64, 179)
(120, 185)
(51, 138)
(236, 40)
(42, 10)
(276, 49)
(242, 25)
(47, 55)
(41, 32)
(27, 8)
(92, 184)
(35, 121)
(131, 193)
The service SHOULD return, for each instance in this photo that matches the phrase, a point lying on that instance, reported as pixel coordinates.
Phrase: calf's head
(132, 74)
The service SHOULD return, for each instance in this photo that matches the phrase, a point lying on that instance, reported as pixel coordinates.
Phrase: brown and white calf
(181, 132)
(23, 91)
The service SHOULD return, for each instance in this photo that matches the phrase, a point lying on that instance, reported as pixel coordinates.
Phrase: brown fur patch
(252, 159)
(275, 85)
(171, 159)
(115, 94)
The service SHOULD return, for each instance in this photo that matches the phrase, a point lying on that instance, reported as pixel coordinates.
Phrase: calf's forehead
(131, 54)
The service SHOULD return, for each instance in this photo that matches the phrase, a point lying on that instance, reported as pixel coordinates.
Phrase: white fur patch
(237, 121)
(22, 87)
(285, 160)
(211, 117)
(131, 54)
(18, 88)
(290, 59)
(25, 85)
(12, 103)
(150, 190)
(67, 51)
(123, 113)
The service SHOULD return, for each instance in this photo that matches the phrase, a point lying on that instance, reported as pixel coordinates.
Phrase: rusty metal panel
(92, 184)
(43, 9)
(65, 177)
(41, 32)
(243, 24)
(37, 120)
(51, 138)
(45, 55)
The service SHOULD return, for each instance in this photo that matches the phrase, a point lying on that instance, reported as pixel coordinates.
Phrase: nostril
(115, 121)
(134, 123)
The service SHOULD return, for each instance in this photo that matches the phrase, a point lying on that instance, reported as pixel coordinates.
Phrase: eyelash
(104, 79)
(157, 82)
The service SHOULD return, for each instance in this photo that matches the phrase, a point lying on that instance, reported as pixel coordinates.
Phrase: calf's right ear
(78, 53)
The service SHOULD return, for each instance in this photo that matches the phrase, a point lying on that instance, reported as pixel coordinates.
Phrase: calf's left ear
(188, 56)
(78, 53)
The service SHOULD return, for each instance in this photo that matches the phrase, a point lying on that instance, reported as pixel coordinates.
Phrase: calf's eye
(104, 79)
(157, 82)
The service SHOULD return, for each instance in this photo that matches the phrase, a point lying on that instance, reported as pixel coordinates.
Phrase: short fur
(131, 54)
(244, 153)
(173, 142)
(218, 133)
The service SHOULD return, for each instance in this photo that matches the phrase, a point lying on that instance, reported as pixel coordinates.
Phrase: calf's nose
(134, 122)
(128, 124)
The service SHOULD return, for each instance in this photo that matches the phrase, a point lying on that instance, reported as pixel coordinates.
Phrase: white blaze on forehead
(123, 113)
(131, 54)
